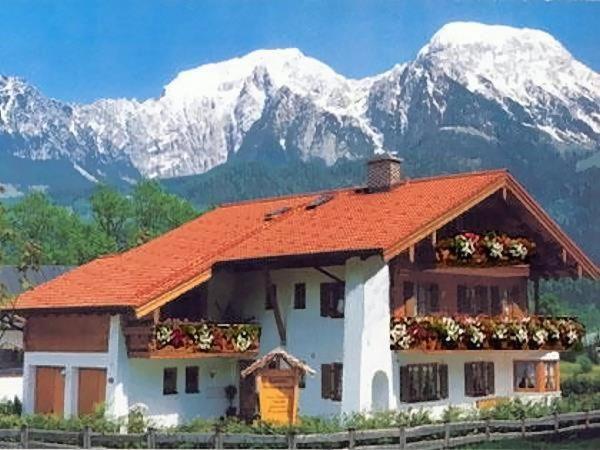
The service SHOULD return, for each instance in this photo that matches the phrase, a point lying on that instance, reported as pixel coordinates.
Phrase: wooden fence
(434, 436)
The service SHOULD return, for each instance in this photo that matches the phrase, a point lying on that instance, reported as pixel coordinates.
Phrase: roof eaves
(402, 245)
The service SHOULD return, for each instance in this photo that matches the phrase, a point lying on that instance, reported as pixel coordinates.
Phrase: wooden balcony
(444, 333)
(183, 339)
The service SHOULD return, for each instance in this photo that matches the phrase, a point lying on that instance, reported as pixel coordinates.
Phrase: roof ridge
(356, 187)
(286, 197)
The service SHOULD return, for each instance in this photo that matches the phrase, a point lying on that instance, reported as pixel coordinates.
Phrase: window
(473, 300)
(537, 376)
(300, 296)
(525, 376)
(271, 296)
(191, 380)
(170, 381)
(428, 298)
(331, 381)
(423, 382)
(479, 379)
(332, 299)
(550, 375)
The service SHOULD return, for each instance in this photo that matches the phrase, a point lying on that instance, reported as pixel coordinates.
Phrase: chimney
(383, 172)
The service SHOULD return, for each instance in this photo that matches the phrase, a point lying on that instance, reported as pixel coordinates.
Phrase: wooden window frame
(428, 298)
(331, 381)
(169, 390)
(475, 370)
(192, 386)
(432, 380)
(300, 296)
(541, 375)
(329, 299)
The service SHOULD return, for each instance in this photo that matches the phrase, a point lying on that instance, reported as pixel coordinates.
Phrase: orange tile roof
(387, 222)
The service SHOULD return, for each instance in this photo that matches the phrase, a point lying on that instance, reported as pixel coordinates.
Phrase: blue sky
(81, 50)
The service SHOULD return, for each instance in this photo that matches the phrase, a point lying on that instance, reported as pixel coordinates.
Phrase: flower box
(479, 333)
(481, 250)
(176, 337)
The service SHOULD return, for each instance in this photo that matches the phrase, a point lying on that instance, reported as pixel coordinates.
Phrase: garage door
(49, 390)
(92, 390)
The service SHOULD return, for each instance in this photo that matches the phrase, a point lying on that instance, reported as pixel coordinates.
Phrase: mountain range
(476, 96)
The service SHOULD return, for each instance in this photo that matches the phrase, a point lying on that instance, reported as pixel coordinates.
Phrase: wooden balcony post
(536, 296)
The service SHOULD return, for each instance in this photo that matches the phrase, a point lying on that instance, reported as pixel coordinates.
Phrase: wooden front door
(92, 390)
(49, 390)
(247, 392)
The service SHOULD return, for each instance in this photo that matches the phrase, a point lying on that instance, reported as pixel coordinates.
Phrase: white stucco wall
(314, 339)
(11, 386)
(367, 354)
(503, 375)
(145, 383)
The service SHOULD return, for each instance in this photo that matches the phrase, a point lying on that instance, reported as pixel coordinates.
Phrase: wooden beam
(563, 255)
(434, 238)
(329, 274)
(276, 310)
(411, 253)
(504, 193)
(536, 296)
(579, 271)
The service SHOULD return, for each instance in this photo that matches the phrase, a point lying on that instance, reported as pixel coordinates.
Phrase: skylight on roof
(277, 212)
(320, 200)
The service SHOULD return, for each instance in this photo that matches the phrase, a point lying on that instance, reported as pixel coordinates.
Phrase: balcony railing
(182, 339)
(430, 333)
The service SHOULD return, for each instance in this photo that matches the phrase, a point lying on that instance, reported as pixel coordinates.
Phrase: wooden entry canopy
(277, 386)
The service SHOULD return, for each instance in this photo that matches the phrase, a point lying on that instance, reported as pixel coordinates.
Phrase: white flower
(496, 250)
(400, 336)
(521, 335)
(572, 336)
(501, 332)
(242, 341)
(477, 336)
(540, 337)
(452, 329)
(204, 337)
(517, 250)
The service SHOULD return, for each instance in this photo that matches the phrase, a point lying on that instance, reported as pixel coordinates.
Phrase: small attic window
(320, 200)
(276, 213)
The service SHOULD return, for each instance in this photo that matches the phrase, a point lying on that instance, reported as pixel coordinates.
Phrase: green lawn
(575, 443)
(569, 369)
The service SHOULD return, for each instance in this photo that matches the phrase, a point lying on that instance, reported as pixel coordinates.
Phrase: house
(386, 290)
(11, 326)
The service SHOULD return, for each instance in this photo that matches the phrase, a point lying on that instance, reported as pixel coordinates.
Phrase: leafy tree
(155, 211)
(62, 236)
(111, 211)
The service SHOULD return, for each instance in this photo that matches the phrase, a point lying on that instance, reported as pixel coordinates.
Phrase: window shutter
(408, 288)
(404, 384)
(468, 379)
(434, 298)
(496, 301)
(324, 301)
(461, 299)
(443, 380)
(490, 385)
(338, 371)
(326, 377)
(481, 300)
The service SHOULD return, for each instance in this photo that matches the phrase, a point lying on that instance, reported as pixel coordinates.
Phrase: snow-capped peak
(496, 37)
(522, 65)
(285, 67)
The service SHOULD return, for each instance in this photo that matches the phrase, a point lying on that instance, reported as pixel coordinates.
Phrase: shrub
(580, 385)
(585, 363)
